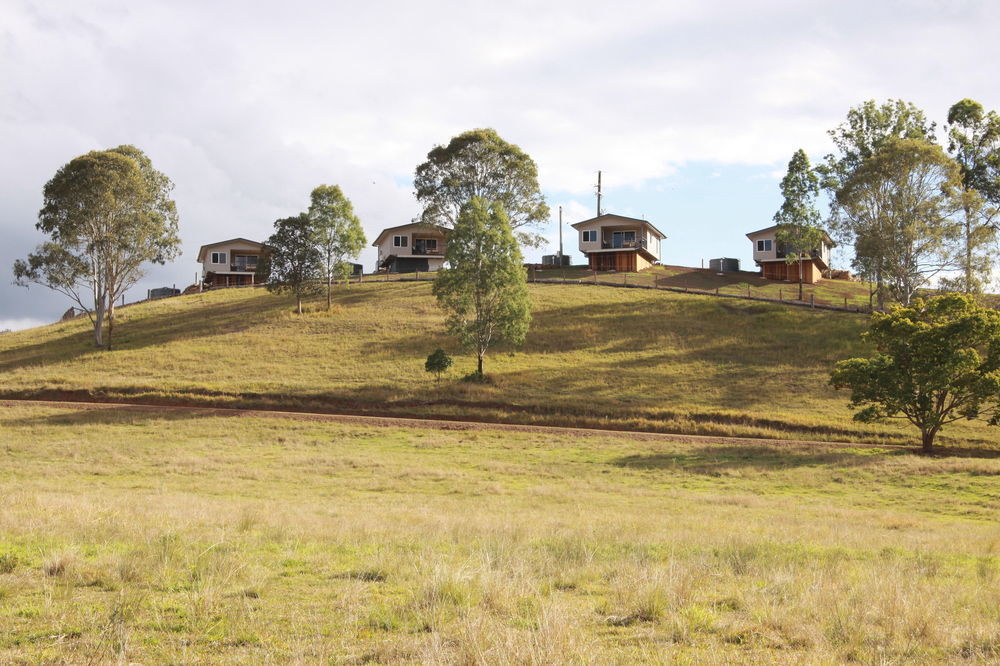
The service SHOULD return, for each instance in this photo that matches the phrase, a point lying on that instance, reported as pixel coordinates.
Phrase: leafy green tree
(901, 207)
(338, 234)
(798, 218)
(438, 363)
(974, 142)
(107, 214)
(293, 263)
(936, 362)
(479, 163)
(483, 291)
(867, 128)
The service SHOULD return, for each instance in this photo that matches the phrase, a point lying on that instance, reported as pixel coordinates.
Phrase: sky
(691, 110)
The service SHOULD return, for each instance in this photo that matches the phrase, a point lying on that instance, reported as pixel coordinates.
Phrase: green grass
(839, 293)
(595, 356)
(144, 537)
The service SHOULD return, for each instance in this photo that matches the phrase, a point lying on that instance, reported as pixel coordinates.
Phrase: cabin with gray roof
(772, 257)
(618, 243)
(411, 248)
(230, 263)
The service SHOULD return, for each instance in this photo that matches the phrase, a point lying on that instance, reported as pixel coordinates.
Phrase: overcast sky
(691, 109)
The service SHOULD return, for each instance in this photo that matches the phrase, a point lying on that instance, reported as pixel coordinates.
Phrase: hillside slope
(595, 356)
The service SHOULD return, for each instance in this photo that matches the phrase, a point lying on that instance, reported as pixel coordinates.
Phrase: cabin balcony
(623, 244)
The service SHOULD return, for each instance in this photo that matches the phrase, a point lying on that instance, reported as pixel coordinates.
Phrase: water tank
(724, 265)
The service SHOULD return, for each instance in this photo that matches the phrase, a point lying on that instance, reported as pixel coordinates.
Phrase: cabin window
(399, 241)
(764, 245)
(622, 239)
(590, 236)
(218, 257)
(245, 262)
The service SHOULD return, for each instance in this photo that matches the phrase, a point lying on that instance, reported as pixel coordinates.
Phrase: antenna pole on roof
(560, 237)
(598, 194)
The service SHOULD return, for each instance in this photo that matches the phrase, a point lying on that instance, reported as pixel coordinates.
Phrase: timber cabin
(618, 243)
(409, 248)
(772, 256)
(230, 263)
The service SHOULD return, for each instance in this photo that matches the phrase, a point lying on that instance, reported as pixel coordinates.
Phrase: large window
(245, 262)
(399, 241)
(590, 236)
(764, 245)
(620, 239)
(425, 245)
(219, 258)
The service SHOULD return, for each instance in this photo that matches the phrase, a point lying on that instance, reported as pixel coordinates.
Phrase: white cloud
(248, 106)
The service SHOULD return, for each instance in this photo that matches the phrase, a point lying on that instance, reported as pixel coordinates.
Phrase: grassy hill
(146, 536)
(839, 293)
(595, 356)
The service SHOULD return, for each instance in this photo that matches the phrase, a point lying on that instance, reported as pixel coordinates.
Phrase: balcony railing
(244, 268)
(433, 251)
(624, 244)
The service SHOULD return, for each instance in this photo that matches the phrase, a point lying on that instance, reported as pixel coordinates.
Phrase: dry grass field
(595, 356)
(839, 293)
(151, 537)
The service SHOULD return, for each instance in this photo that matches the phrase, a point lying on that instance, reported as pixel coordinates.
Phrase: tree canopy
(107, 213)
(293, 263)
(899, 207)
(483, 291)
(936, 362)
(798, 218)
(479, 163)
(337, 233)
(974, 142)
(867, 128)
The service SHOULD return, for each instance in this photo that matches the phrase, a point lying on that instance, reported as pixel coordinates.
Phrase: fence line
(812, 304)
(702, 292)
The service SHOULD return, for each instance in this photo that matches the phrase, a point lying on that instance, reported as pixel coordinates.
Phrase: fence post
(845, 302)
(781, 294)
(748, 291)
(716, 291)
(595, 276)
(625, 279)
(812, 300)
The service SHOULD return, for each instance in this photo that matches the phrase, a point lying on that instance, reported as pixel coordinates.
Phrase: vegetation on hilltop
(480, 163)
(595, 357)
(106, 213)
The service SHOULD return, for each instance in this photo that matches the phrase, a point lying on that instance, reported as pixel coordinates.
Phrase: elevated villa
(410, 248)
(772, 257)
(230, 263)
(618, 243)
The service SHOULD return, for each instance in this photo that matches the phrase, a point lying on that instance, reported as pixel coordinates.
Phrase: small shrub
(58, 565)
(438, 363)
(369, 575)
(476, 378)
(8, 562)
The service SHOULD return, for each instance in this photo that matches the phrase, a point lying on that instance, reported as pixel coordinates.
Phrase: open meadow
(149, 536)
(595, 356)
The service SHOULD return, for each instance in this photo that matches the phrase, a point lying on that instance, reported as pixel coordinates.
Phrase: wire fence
(636, 281)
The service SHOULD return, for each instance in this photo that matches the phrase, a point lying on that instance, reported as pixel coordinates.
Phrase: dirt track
(437, 424)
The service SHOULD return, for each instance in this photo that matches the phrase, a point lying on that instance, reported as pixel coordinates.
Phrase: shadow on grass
(117, 415)
(193, 319)
(720, 459)
(717, 460)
